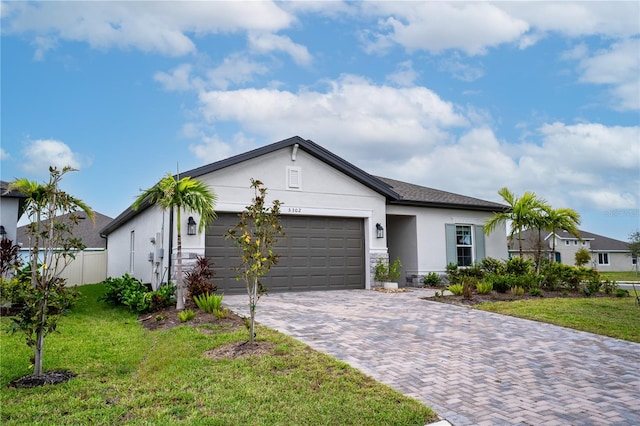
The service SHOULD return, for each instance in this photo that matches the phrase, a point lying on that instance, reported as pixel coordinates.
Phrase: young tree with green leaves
(53, 214)
(256, 235)
(182, 194)
(522, 213)
(561, 219)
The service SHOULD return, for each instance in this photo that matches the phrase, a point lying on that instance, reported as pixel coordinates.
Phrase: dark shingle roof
(85, 229)
(421, 195)
(597, 242)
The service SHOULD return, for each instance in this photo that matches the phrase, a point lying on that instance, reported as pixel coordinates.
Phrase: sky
(467, 97)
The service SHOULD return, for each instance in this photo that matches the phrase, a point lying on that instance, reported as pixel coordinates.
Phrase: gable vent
(294, 177)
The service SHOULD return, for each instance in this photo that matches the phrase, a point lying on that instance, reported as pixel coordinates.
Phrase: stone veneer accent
(373, 261)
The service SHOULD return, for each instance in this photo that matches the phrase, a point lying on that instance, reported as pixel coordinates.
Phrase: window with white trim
(603, 258)
(567, 242)
(464, 245)
(575, 242)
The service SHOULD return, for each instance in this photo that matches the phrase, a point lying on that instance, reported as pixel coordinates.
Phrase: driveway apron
(471, 367)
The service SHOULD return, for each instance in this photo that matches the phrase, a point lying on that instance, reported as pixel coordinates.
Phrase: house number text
(294, 210)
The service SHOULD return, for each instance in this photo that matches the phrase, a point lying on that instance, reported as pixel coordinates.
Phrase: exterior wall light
(379, 231)
(3, 232)
(191, 226)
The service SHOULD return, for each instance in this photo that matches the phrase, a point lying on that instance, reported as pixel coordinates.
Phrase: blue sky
(464, 97)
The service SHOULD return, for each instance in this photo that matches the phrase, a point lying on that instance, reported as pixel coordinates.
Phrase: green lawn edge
(129, 375)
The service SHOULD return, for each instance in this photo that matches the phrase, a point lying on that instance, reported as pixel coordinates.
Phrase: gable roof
(85, 229)
(395, 192)
(597, 242)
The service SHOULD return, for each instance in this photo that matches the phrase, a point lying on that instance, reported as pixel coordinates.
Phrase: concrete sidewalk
(472, 367)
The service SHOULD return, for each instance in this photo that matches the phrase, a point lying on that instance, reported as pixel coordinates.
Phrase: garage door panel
(317, 253)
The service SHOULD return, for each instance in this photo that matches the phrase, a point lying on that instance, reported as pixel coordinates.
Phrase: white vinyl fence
(89, 267)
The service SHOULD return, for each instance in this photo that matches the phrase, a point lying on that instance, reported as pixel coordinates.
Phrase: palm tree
(189, 194)
(562, 219)
(522, 212)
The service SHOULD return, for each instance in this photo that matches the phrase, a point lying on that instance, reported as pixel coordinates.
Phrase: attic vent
(294, 177)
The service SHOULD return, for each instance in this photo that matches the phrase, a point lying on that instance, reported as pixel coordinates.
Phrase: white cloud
(619, 67)
(575, 19)
(404, 75)
(4, 155)
(179, 79)
(160, 27)
(352, 109)
(457, 68)
(438, 26)
(213, 148)
(267, 43)
(40, 154)
(235, 69)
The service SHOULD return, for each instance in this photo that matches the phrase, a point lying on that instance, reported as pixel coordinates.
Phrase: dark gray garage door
(318, 253)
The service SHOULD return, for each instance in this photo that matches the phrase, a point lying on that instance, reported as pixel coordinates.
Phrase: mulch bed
(167, 318)
(504, 297)
(47, 378)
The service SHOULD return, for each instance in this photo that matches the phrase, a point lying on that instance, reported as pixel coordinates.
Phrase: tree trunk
(252, 310)
(37, 351)
(179, 283)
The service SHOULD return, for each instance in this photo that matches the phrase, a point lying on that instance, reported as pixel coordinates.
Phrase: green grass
(613, 317)
(621, 276)
(128, 375)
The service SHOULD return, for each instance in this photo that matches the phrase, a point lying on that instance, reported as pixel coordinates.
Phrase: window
(634, 260)
(575, 243)
(603, 258)
(584, 244)
(464, 244)
(132, 251)
(567, 242)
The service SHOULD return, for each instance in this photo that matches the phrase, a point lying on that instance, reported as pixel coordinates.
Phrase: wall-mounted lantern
(379, 231)
(191, 226)
(3, 232)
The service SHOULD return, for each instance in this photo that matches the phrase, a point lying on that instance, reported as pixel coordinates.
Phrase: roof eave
(415, 203)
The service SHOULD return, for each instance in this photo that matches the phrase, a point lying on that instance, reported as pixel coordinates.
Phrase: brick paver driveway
(472, 367)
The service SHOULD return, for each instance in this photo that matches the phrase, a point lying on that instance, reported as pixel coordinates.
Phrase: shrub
(517, 291)
(593, 285)
(609, 286)
(492, 266)
(536, 292)
(484, 287)
(208, 302)
(162, 297)
(582, 257)
(622, 292)
(456, 289)
(186, 315)
(129, 292)
(388, 272)
(432, 279)
(12, 290)
(500, 283)
(452, 273)
(518, 266)
(198, 279)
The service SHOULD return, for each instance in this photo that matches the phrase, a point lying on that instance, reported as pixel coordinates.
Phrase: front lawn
(129, 375)
(608, 316)
(621, 276)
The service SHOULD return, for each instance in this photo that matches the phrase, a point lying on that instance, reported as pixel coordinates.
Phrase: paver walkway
(472, 367)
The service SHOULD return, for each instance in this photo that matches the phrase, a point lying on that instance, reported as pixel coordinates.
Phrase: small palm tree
(562, 219)
(521, 214)
(181, 194)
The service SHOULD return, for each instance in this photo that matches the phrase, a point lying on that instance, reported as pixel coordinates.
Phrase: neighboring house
(338, 219)
(607, 254)
(90, 265)
(11, 208)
